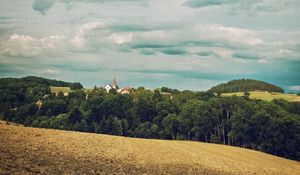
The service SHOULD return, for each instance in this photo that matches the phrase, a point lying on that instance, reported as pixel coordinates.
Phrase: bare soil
(25, 150)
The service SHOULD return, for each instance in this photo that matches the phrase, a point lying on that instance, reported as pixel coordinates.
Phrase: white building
(126, 90)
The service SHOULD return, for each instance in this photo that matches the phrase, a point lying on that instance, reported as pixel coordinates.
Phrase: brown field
(25, 150)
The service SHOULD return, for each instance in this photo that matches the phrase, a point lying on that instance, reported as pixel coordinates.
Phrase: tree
(113, 126)
(247, 95)
(53, 107)
(75, 116)
(196, 113)
(60, 95)
(173, 125)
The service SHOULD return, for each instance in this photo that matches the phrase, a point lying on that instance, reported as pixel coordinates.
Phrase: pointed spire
(114, 83)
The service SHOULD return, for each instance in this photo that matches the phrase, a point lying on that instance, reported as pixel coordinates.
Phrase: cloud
(206, 53)
(173, 51)
(95, 35)
(262, 61)
(120, 38)
(187, 41)
(42, 6)
(296, 88)
(50, 71)
(231, 34)
(246, 55)
(28, 46)
(86, 32)
(253, 7)
(204, 3)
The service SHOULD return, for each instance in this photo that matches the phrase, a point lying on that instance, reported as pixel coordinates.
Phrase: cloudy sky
(184, 44)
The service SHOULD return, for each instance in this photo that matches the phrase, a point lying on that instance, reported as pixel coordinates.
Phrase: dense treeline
(245, 85)
(19, 91)
(272, 127)
(30, 80)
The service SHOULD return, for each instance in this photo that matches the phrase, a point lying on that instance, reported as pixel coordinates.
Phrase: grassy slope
(31, 150)
(267, 95)
(56, 89)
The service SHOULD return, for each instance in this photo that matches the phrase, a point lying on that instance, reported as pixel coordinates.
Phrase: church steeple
(114, 83)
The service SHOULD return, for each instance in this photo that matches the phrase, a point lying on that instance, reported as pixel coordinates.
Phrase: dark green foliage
(75, 116)
(272, 127)
(49, 82)
(244, 85)
(53, 107)
(174, 125)
(15, 92)
(169, 90)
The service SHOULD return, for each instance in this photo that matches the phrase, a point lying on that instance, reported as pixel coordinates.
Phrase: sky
(183, 44)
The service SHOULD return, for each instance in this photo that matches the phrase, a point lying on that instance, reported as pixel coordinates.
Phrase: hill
(271, 127)
(267, 96)
(38, 151)
(17, 91)
(244, 85)
(38, 80)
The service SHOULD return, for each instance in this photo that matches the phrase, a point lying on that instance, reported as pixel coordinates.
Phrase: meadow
(267, 96)
(57, 89)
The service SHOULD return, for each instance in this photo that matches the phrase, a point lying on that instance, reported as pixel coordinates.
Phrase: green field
(268, 96)
(57, 89)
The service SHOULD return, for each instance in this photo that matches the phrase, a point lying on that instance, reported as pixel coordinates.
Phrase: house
(126, 90)
(39, 103)
(108, 88)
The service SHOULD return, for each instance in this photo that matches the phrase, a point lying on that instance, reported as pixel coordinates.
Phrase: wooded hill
(245, 85)
(272, 127)
(19, 91)
(30, 80)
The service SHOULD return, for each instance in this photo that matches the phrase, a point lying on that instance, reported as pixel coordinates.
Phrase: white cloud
(224, 53)
(51, 71)
(83, 33)
(232, 34)
(25, 45)
(120, 38)
(296, 88)
(262, 61)
(96, 35)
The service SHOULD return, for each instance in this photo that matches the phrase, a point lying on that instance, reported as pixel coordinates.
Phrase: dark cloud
(191, 74)
(150, 45)
(249, 7)
(246, 55)
(206, 53)
(203, 3)
(42, 6)
(173, 51)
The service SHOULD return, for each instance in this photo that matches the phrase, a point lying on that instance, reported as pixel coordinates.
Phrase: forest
(164, 113)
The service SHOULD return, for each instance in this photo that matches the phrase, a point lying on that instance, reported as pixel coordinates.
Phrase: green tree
(75, 116)
(173, 125)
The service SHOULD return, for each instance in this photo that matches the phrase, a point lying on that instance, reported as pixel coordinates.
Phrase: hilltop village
(115, 88)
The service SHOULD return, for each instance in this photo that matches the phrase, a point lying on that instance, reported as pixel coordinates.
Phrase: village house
(113, 86)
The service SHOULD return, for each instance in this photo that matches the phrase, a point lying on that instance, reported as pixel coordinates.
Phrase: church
(113, 86)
